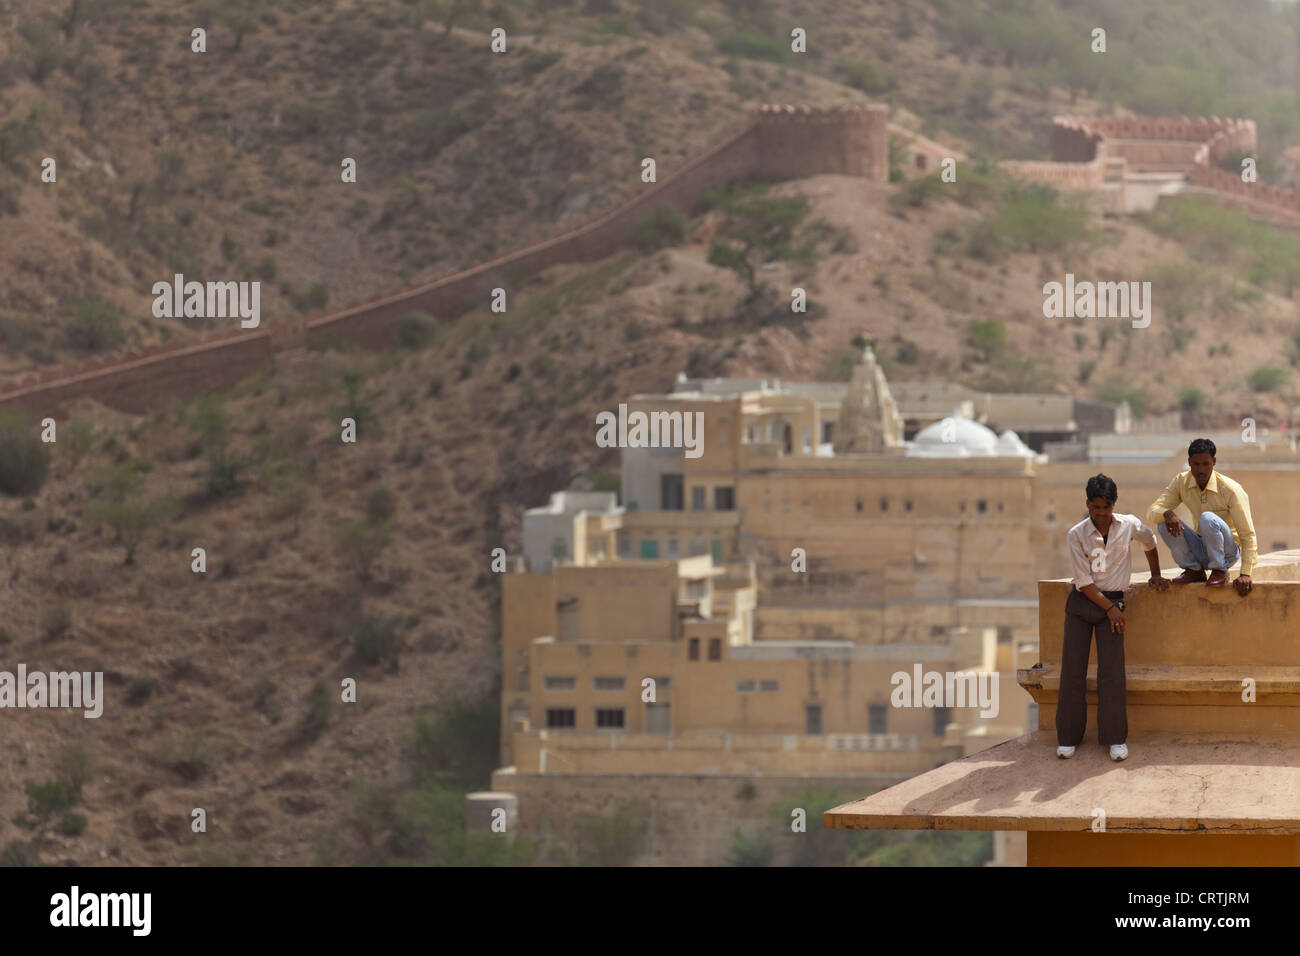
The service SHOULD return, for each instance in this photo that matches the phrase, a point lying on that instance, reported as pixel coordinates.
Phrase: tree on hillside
(239, 19)
(756, 230)
(121, 504)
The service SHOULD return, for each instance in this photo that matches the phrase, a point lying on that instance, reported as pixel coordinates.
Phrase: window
(999, 506)
(663, 683)
(610, 683)
(807, 440)
(907, 504)
(982, 506)
(624, 546)
(693, 649)
(1004, 635)
(649, 549)
(828, 429)
(699, 498)
(670, 492)
(672, 549)
(769, 685)
(698, 546)
(942, 715)
(717, 551)
(560, 683)
(560, 549)
(884, 504)
(744, 687)
(962, 509)
(858, 505)
(877, 718)
(609, 718)
(812, 718)
(724, 498)
(559, 717)
(715, 648)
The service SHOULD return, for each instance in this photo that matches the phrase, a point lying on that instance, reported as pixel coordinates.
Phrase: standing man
(1099, 555)
(1223, 530)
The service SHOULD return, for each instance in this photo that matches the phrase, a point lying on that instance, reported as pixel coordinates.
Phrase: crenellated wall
(1106, 154)
(773, 142)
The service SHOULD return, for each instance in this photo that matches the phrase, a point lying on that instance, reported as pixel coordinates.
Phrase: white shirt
(1106, 564)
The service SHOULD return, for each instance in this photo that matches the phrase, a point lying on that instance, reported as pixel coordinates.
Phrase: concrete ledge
(1171, 783)
(1147, 681)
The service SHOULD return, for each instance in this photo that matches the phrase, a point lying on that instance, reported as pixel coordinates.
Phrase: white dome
(1009, 443)
(955, 437)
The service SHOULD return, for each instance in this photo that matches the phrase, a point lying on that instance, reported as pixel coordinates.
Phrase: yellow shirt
(1224, 497)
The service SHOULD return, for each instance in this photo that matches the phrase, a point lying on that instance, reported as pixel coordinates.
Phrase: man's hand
(1116, 619)
(1173, 524)
(1243, 584)
(1158, 583)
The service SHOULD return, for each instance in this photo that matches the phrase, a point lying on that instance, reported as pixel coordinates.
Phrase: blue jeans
(1214, 548)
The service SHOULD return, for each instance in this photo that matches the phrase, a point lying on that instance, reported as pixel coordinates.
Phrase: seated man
(1223, 525)
(1099, 554)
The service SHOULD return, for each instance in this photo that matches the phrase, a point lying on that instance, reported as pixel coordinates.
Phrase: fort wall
(774, 142)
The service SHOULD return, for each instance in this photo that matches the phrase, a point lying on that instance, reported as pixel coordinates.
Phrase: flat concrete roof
(1170, 782)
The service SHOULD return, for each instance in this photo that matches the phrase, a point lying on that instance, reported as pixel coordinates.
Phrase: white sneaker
(1065, 752)
(1119, 751)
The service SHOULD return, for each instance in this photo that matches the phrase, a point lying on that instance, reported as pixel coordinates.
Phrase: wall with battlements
(773, 142)
(1101, 153)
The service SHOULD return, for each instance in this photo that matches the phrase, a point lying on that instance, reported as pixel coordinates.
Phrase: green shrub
(94, 326)
(1266, 378)
(315, 717)
(1191, 399)
(317, 296)
(755, 46)
(865, 75)
(749, 849)
(377, 642)
(457, 740)
(24, 458)
(191, 760)
(918, 192)
(56, 622)
(415, 330)
(988, 337)
(662, 226)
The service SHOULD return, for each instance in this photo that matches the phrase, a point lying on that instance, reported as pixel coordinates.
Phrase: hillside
(328, 560)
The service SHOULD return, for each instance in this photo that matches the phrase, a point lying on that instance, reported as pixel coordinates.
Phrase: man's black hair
(1202, 446)
(1099, 486)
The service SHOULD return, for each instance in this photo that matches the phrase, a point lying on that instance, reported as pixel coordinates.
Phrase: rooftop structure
(1214, 738)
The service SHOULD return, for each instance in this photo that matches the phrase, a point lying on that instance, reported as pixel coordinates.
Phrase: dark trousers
(1083, 620)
